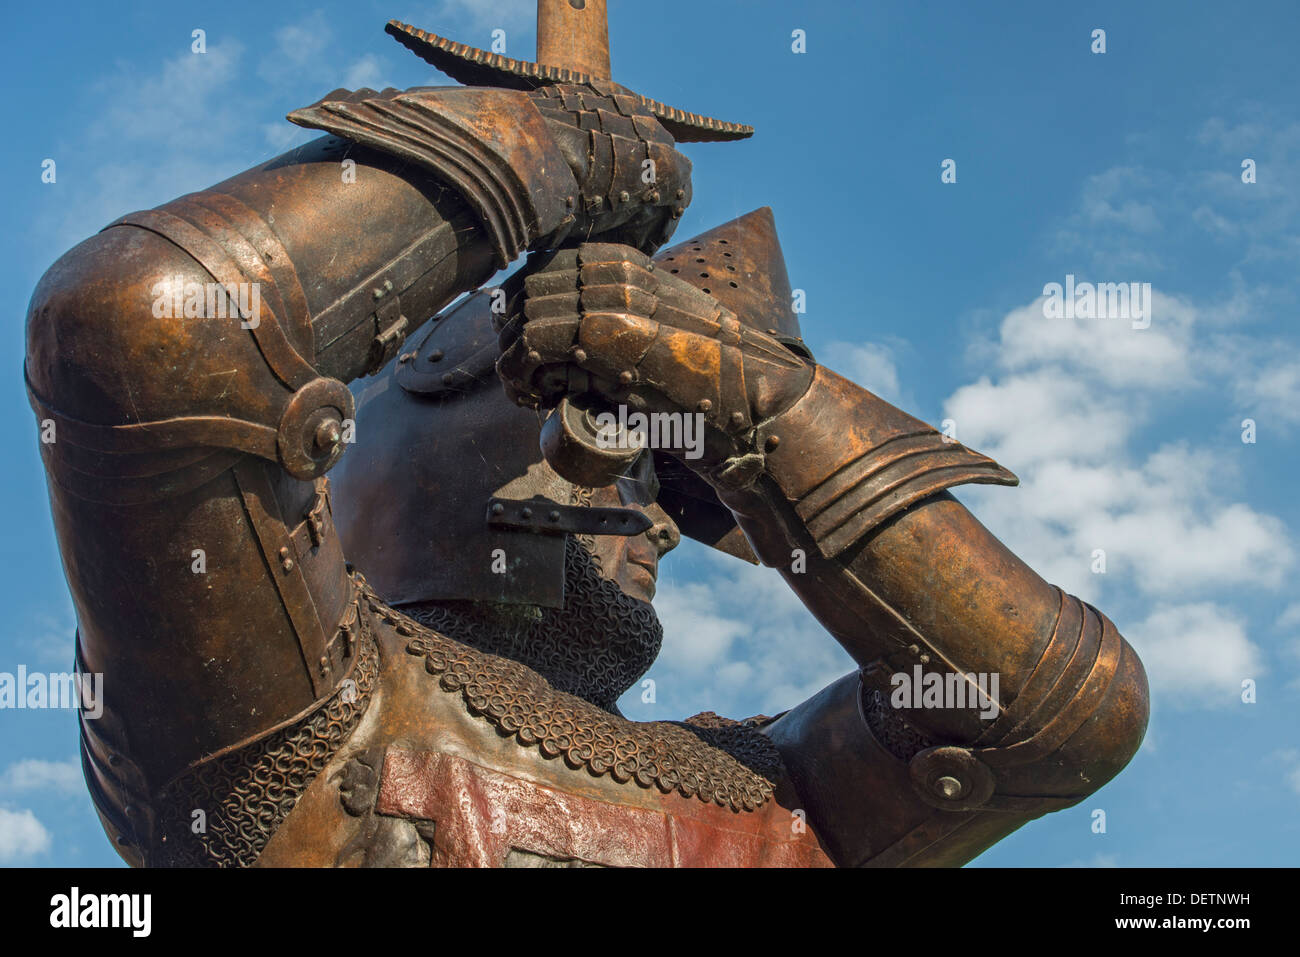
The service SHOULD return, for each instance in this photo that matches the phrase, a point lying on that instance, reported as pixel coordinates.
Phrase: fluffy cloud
(1107, 351)
(34, 774)
(166, 131)
(871, 365)
(1273, 392)
(737, 641)
(1068, 405)
(367, 71)
(1069, 409)
(21, 835)
(1196, 655)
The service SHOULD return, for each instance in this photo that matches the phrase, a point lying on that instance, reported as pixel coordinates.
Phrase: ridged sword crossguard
(572, 47)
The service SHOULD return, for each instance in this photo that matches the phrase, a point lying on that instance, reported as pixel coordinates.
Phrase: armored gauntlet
(846, 496)
(602, 321)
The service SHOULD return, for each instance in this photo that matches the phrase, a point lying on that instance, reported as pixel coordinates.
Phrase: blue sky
(1115, 167)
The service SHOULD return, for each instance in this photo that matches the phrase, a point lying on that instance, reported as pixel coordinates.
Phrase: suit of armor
(268, 703)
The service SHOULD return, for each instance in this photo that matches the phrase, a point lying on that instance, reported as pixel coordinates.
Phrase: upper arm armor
(535, 166)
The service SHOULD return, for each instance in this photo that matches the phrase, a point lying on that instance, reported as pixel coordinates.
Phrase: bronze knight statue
(392, 630)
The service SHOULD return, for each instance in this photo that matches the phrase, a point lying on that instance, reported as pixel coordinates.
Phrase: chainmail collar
(596, 648)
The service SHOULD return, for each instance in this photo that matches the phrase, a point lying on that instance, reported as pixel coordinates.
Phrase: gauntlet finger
(613, 344)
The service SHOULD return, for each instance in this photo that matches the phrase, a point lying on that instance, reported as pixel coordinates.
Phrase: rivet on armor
(704, 405)
(327, 435)
(624, 196)
(579, 356)
(914, 649)
(527, 513)
(534, 356)
(925, 659)
(737, 418)
(553, 516)
(772, 442)
(298, 435)
(498, 508)
(285, 561)
(625, 377)
(949, 787)
(435, 355)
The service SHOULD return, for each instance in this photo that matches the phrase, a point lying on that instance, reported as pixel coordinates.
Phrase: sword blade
(574, 35)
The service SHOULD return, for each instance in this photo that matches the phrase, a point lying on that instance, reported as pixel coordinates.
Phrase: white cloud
(1068, 407)
(21, 835)
(367, 71)
(1272, 393)
(1196, 655)
(1111, 351)
(179, 107)
(1107, 200)
(163, 130)
(1081, 410)
(34, 774)
(1262, 213)
(1037, 417)
(301, 44)
(737, 641)
(872, 365)
(687, 610)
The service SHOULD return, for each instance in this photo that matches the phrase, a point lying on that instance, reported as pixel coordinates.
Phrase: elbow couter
(1074, 724)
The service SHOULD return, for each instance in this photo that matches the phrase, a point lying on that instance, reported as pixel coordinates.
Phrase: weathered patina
(415, 660)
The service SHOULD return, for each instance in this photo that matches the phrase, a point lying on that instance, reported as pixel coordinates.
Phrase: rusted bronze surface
(313, 715)
(475, 67)
(574, 34)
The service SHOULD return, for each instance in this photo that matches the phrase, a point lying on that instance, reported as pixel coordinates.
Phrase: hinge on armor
(313, 530)
(315, 517)
(392, 326)
(301, 558)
